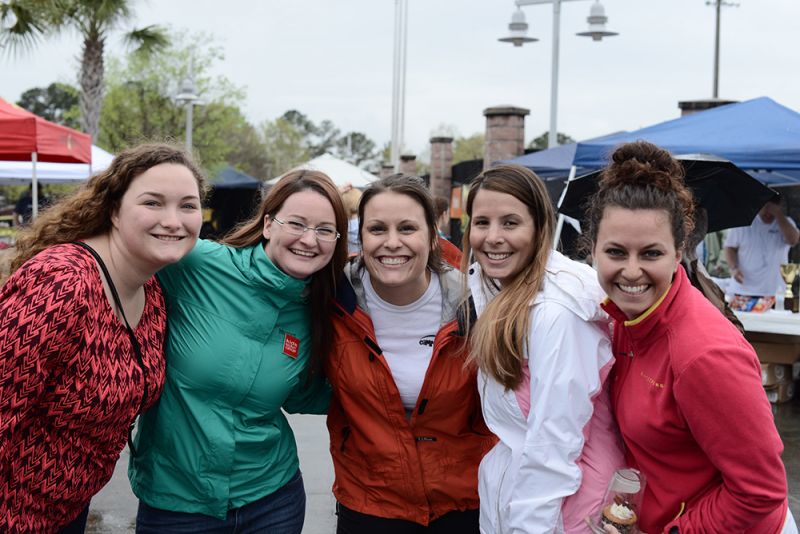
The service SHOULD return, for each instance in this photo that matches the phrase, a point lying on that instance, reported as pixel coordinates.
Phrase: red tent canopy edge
(22, 133)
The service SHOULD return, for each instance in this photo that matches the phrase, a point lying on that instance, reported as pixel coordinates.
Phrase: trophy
(789, 271)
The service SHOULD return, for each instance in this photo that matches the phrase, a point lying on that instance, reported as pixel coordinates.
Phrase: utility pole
(718, 7)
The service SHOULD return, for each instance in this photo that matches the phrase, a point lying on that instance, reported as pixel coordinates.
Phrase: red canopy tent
(27, 137)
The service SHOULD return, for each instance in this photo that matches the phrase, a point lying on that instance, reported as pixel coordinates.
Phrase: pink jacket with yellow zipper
(695, 420)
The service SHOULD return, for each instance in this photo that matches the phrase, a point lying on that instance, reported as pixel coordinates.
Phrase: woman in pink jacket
(686, 389)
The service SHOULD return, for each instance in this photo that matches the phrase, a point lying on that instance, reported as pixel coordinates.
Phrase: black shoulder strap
(137, 350)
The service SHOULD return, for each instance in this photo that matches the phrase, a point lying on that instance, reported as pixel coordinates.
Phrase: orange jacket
(450, 253)
(387, 465)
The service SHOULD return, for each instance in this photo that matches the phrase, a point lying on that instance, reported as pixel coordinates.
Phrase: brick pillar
(688, 107)
(441, 166)
(408, 164)
(387, 169)
(505, 133)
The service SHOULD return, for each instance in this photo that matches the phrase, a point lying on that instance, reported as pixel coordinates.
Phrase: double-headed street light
(519, 29)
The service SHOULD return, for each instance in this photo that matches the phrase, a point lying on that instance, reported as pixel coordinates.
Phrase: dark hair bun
(643, 176)
(642, 163)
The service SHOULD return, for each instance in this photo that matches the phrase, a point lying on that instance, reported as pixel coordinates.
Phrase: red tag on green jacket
(291, 345)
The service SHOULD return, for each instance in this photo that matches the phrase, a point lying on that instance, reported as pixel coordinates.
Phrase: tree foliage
(285, 144)
(94, 20)
(468, 148)
(140, 105)
(541, 141)
(58, 102)
(356, 148)
(294, 137)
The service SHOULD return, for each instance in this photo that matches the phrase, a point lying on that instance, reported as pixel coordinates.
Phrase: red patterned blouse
(70, 384)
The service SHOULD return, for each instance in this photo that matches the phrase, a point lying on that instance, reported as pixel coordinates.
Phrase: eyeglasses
(323, 233)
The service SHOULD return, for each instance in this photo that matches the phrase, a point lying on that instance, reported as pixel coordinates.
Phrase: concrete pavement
(113, 510)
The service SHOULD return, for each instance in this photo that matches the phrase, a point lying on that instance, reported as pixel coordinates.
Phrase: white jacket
(529, 482)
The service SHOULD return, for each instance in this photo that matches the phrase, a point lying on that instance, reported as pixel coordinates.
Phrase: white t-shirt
(762, 249)
(405, 335)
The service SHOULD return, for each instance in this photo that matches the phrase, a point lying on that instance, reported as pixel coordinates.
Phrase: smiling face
(635, 257)
(501, 234)
(159, 216)
(300, 256)
(396, 242)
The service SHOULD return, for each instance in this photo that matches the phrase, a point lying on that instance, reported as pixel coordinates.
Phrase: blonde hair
(351, 197)
(498, 340)
(87, 212)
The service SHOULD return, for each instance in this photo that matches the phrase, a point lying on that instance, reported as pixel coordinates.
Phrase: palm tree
(24, 22)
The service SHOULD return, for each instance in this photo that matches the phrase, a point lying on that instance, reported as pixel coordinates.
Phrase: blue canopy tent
(230, 178)
(232, 198)
(555, 163)
(548, 163)
(759, 135)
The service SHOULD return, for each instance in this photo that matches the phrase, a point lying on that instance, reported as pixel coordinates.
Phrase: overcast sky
(333, 60)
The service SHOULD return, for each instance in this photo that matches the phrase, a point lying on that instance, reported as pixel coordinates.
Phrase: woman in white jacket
(541, 343)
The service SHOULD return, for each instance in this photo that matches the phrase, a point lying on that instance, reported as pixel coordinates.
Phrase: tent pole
(560, 222)
(34, 188)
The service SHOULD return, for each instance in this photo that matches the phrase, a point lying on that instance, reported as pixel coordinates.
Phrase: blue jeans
(78, 525)
(282, 512)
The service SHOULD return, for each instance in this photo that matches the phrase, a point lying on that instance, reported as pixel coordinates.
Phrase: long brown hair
(323, 282)
(88, 211)
(498, 340)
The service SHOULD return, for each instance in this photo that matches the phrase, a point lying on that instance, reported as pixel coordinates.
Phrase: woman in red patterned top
(82, 324)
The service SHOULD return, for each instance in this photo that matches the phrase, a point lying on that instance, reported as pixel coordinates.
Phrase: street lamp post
(188, 95)
(519, 28)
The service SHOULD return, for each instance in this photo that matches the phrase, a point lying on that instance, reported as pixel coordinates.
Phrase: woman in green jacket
(217, 453)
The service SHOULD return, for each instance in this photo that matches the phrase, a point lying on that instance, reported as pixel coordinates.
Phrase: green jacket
(237, 350)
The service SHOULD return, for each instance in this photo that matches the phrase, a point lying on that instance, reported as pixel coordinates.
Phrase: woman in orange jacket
(406, 429)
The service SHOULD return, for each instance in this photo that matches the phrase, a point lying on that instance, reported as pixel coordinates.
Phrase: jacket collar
(350, 293)
(255, 266)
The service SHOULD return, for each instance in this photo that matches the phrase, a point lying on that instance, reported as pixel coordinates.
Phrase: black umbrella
(730, 196)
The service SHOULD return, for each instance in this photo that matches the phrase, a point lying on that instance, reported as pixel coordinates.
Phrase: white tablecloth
(771, 322)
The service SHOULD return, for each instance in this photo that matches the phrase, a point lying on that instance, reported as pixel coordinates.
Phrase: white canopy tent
(21, 172)
(341, 172)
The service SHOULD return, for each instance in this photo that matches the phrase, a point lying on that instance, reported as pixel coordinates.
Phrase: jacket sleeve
(723, 402)
(563, 361)
(312, 398)
(41, 310)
